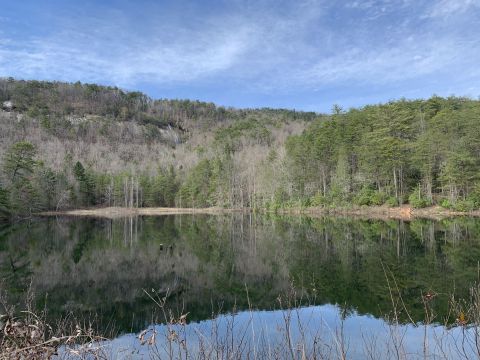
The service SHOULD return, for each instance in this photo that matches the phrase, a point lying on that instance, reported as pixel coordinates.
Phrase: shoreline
(404, 212)
(369, 212)
(119, 212)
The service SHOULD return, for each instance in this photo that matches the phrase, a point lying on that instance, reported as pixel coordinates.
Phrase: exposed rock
(8, 105)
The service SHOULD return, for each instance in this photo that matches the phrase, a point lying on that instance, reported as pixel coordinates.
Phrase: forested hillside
(77, 145)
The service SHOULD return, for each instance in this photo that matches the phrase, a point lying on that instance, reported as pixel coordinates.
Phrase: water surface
(213, 265)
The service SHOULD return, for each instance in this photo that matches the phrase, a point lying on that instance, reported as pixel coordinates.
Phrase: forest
(74, 145)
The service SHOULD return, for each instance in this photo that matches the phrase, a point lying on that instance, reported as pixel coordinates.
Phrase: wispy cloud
(408, 60)
(115, 54)
(447, 8)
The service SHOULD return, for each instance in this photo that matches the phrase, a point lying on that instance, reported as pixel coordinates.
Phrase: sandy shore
(117, 212)
(369, 212)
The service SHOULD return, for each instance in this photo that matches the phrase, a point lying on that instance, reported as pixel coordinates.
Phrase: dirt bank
(117, 212)
(369, 212)
(404, 212)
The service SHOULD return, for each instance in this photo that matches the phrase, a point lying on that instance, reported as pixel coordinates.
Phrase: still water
(338, 279)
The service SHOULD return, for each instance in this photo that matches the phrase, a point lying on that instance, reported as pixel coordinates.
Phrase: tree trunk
(395, 182)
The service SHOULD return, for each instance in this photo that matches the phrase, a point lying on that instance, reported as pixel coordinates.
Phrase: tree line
(421, 152)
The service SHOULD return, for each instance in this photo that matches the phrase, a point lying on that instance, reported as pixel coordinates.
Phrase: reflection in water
(316, 332)
(208, 263)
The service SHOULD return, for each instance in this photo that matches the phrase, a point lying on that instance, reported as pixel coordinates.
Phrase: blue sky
(303, 54)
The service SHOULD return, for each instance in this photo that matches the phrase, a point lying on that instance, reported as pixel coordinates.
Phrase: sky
(300, 54)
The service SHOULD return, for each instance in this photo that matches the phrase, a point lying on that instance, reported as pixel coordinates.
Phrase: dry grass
(28, 335)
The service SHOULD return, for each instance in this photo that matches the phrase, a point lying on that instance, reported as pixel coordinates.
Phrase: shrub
(464, 205)
(392, 201)
(417, 200)
(459, 205)
(318, 200)
(363, 197)
(272, 206)
(445, 203)
(306, 202)
(377, 198)
(474, 196)
(368, 196)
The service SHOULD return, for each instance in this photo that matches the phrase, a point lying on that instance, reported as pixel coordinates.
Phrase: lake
(260, 286)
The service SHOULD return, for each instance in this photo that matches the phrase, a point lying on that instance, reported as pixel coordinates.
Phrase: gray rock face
(8, 105)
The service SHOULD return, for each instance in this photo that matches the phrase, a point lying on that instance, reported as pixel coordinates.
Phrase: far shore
(370, 212)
